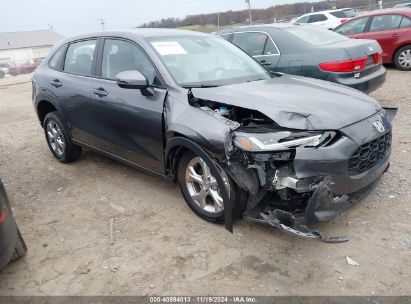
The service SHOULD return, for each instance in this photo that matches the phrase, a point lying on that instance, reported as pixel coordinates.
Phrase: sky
(71, 17)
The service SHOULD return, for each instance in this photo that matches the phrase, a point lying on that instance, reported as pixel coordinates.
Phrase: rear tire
(59, 140)
(2, 74)
(21, 248)
(402, 58)
(192, 188)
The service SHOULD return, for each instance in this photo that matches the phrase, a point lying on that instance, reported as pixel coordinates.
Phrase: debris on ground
(351, 261)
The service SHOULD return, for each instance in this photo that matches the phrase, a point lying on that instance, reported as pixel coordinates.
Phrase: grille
(369, 154)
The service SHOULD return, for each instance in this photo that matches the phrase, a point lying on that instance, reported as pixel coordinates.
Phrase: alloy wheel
(203, 187)
(56, 138)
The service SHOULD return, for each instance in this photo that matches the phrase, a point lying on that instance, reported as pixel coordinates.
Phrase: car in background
(12, 245)
(403, 5)
(392, 30)
(4, 69)
(312, 51)
(24, 68)
(327, 19)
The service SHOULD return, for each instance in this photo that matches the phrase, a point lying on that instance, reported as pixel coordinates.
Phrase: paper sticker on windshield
(169, 48)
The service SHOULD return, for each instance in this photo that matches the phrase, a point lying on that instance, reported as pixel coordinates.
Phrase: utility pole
(218, 22)
(250, 18)
(102, 23)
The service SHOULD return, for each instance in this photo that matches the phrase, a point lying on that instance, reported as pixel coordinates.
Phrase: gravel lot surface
(161, 247)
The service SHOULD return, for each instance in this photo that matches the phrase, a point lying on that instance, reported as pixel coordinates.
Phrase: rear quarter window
(406, 22)
(56, 61)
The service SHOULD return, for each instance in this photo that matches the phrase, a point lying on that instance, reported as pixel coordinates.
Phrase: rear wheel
(21, 249)
(201, 191)
(402, 58)
(2, 74)
(58, 139)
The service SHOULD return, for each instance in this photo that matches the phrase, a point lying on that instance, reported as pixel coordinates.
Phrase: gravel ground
(161, 247)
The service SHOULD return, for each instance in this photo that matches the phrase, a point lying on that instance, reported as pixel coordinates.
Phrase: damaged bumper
(317, 184)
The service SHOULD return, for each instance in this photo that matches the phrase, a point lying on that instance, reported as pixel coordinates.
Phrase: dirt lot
(161, 247)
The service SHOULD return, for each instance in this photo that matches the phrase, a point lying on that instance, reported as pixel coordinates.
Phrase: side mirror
(134, 80)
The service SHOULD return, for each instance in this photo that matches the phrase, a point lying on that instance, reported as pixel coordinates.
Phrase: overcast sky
(70, 17)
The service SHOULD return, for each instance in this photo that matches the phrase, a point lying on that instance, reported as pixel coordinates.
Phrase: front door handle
(263, 62)
(100, 92)
(396, 35)
(56, 83)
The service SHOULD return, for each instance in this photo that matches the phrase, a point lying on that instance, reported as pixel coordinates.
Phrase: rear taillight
(3, 214)
(346, 66)
(344, 20)
(377, 58)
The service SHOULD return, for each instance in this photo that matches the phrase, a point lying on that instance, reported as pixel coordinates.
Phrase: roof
(15, 40)
(138, 32)
(327, 11)
(400, 11)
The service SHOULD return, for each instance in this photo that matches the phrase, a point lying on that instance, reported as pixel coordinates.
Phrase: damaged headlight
(279, 141)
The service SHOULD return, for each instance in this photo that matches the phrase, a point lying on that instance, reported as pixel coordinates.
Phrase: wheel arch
(43, 107)
(408, 43)
(175, 149)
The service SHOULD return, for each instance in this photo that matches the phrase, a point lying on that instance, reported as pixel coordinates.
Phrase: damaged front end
(294, 177)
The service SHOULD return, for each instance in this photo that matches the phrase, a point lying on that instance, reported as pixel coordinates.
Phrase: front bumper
(318, 184)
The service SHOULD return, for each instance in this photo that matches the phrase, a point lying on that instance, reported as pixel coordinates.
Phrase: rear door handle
(100, 92)
(263, 62)
(56, 83)
(396, 35)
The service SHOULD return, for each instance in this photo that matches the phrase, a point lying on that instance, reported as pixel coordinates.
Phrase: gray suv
(194, 108)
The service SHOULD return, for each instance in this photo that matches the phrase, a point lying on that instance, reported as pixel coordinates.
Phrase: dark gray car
(196, 109)
(312, 51)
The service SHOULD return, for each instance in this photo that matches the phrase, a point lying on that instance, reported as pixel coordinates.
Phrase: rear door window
(255, 43)
(385, 22)
(79, 58)
(317, 18)
(352, 27)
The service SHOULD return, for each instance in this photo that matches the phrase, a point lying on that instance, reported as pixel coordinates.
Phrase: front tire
(58, 139)
(201, 192)
(402, 58)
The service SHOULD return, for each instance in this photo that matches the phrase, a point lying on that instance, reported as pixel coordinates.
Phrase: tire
(402, 58)
(210, 212)
(2, 74)
(21, 249)
(59, 140)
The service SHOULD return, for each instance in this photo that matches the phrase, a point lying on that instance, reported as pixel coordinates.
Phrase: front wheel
(402, 58)
(58, 139)
(201, 191)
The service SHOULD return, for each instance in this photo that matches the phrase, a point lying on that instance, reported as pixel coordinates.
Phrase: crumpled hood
(297, 102)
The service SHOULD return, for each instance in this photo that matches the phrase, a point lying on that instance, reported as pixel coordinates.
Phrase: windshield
(196, 61)
(315, 35)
